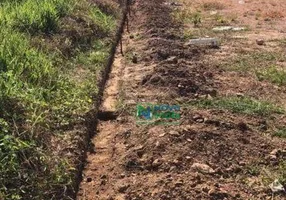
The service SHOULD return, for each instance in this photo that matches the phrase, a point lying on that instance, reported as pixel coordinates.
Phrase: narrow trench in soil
(104, 142)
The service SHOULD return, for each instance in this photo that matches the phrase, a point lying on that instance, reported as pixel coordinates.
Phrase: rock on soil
(203, 168)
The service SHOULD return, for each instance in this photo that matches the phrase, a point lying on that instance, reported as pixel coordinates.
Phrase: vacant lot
(229, 136)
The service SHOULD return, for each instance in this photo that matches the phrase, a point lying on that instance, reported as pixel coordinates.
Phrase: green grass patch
(34, 15)
(34, 99)
(189, 34)
(273, 75)
(275, 172)
(267, 174)
(96, 56)
(43, 93)
(105, 22)
(187, 16)
(243, 105)
(265, 65)
(251, 61)
(253, 170)
(281, 133)
(24, 62)
(282, 173)
(221, 20)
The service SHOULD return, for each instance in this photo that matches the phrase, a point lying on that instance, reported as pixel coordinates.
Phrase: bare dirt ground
(224, 146)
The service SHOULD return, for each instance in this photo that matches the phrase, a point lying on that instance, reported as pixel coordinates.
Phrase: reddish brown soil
(135, 162)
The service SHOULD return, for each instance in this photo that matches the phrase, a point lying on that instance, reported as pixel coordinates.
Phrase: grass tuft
(281, 133)
(188, 16)
(264, 64)
(251, 61)
(273, 75)
(105, 22)
(243, 105)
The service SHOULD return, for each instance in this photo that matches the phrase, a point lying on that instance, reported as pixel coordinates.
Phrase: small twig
(121, 47)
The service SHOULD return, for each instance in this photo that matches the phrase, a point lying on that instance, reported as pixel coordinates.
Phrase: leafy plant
(196, 19)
